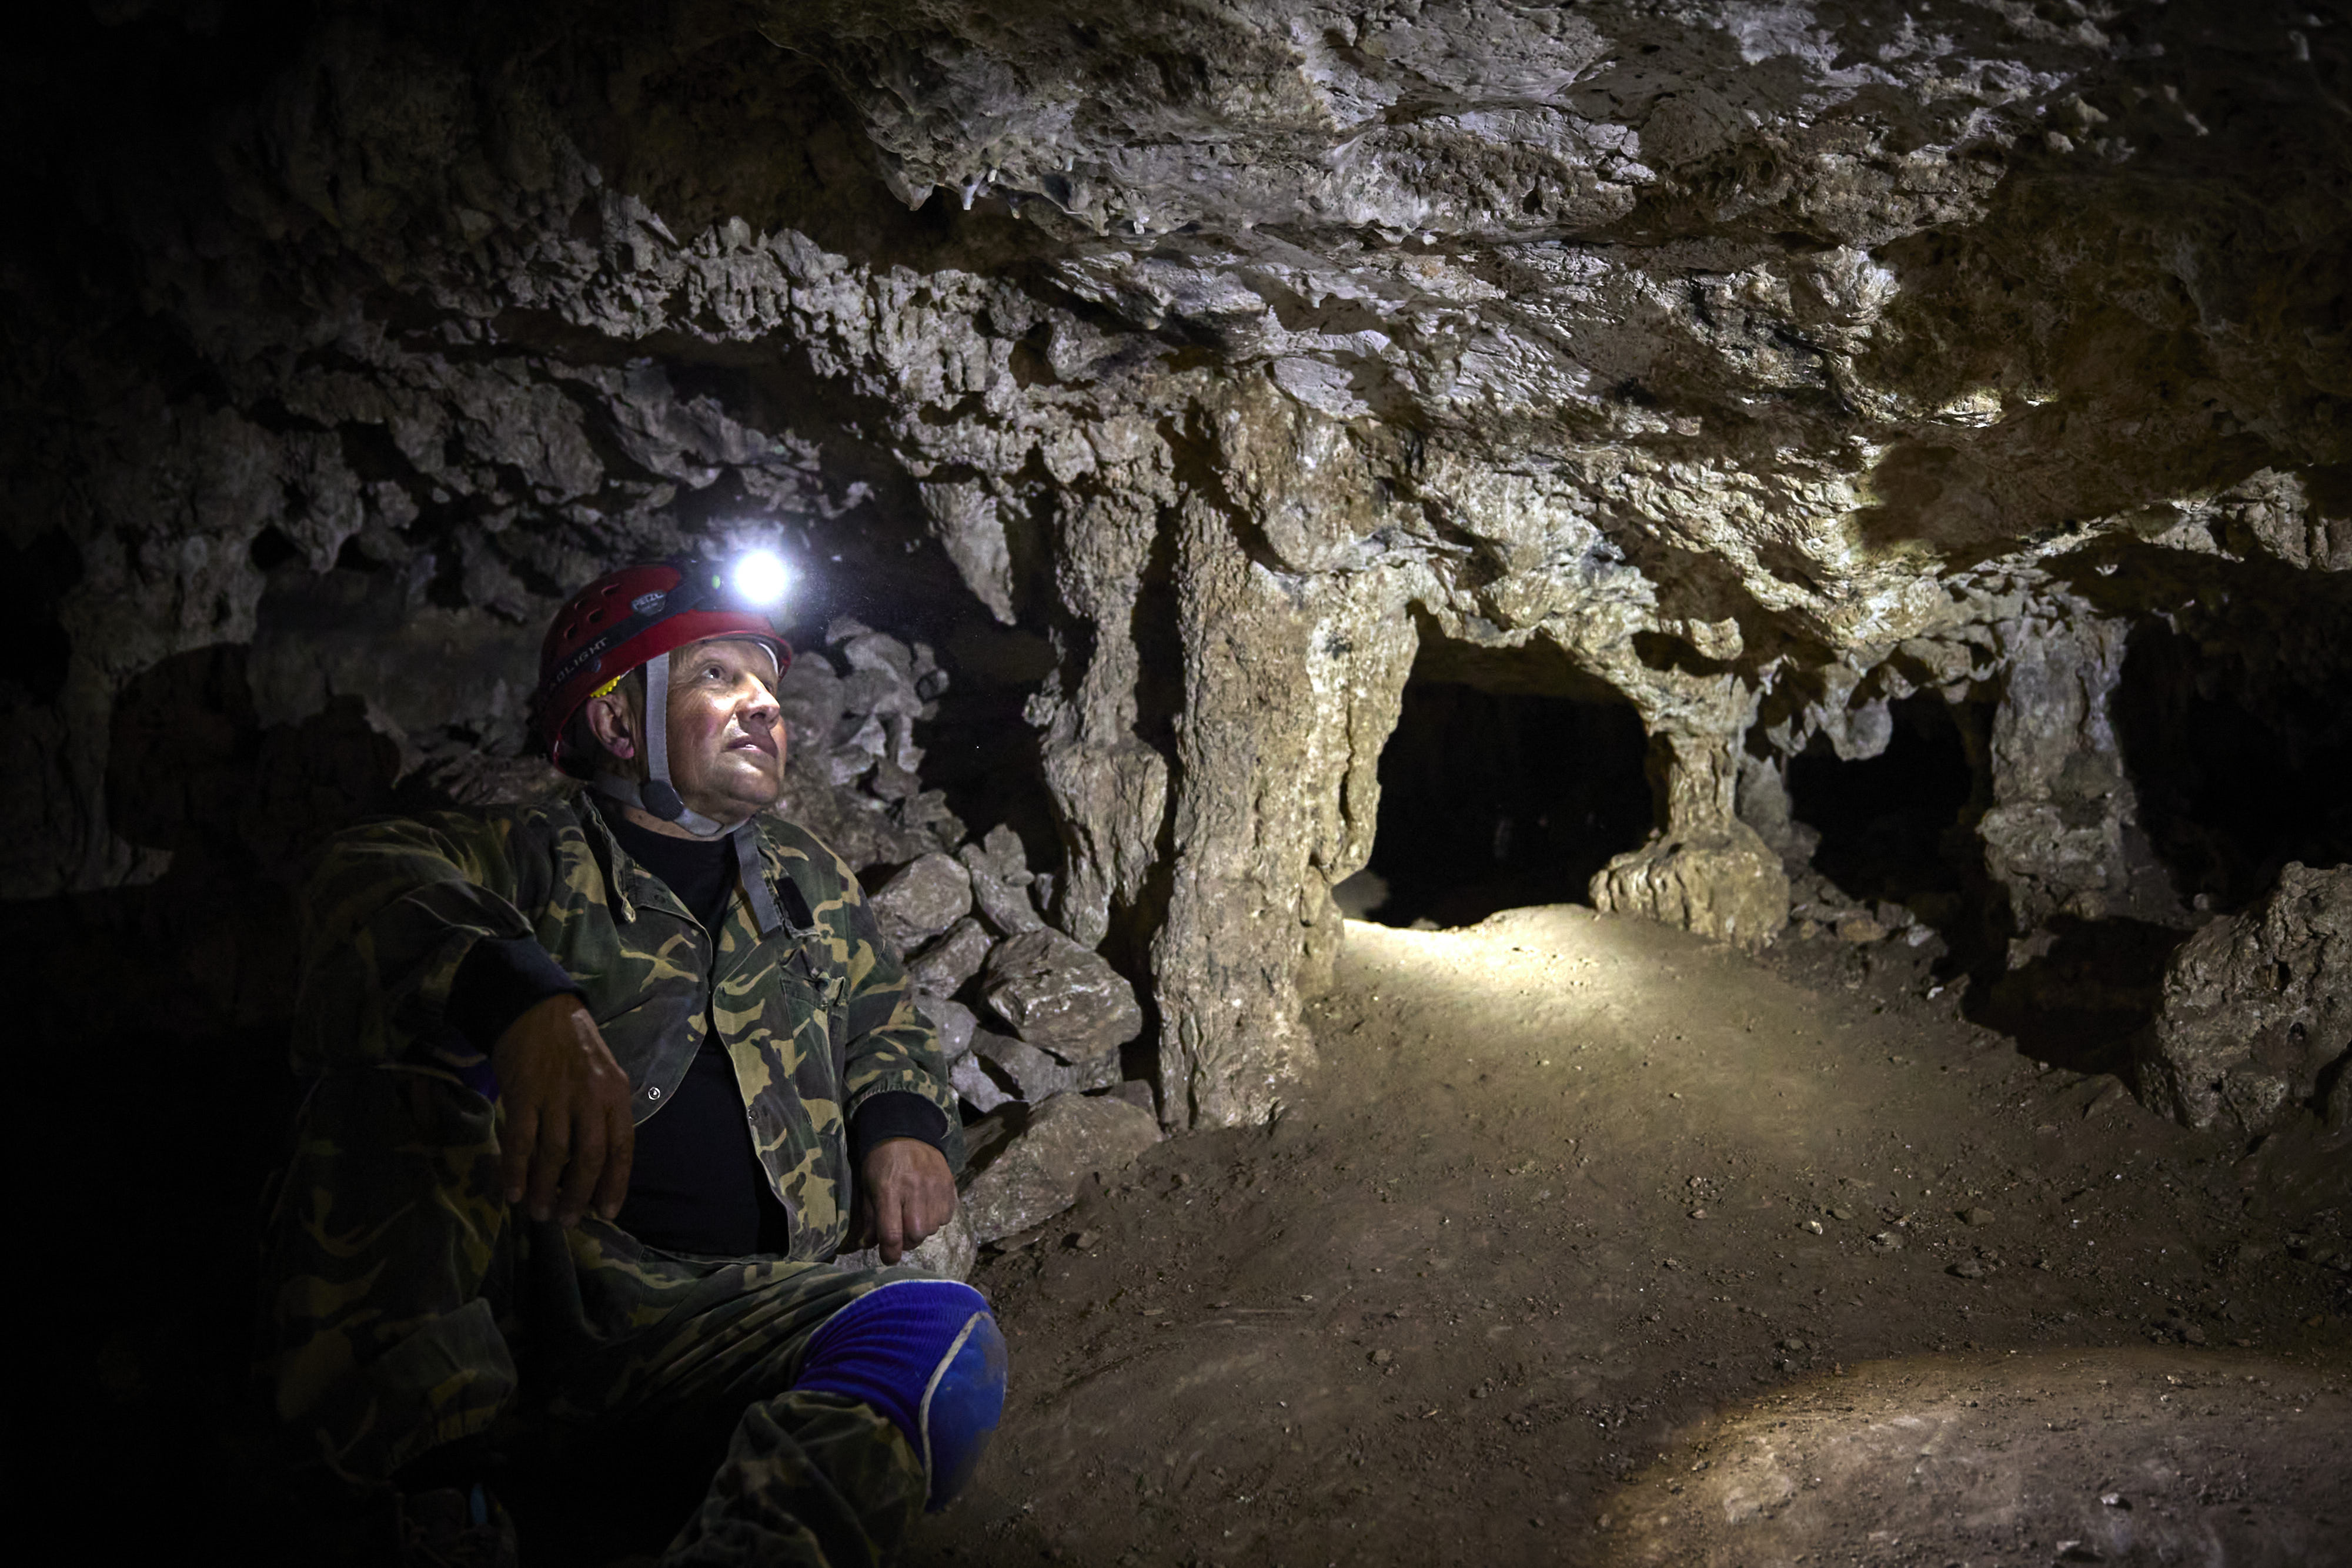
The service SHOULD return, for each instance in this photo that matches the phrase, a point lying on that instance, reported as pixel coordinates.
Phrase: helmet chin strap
(629, 792)
(658, 797)
(657, 794)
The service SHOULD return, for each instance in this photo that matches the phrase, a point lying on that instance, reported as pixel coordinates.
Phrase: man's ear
(613, 723)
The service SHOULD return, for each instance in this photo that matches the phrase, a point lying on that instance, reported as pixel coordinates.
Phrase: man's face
(726, 735)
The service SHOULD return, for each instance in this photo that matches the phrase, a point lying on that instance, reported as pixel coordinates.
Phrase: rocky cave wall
(1161, 385)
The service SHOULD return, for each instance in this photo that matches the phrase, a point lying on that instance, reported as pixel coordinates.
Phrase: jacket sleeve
(389, 916)
(891, 1048)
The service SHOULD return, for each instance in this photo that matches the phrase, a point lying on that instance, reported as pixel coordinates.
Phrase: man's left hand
(909, 1194)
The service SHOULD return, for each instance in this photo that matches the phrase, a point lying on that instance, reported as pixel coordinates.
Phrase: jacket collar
(631, 885)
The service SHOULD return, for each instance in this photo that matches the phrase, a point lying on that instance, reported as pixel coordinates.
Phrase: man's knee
(926, 1355)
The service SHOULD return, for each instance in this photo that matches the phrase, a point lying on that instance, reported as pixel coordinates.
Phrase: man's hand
(569, 1136)
(909, 1193)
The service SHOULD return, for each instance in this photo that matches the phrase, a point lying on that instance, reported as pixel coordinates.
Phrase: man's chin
(742, 792)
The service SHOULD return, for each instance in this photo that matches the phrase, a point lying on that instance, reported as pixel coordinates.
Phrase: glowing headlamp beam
(761, 578)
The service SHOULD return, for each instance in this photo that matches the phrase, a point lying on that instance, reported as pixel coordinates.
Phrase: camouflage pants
(411, 1308)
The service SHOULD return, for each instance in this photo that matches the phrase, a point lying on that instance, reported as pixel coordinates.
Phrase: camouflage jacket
(818, 1017)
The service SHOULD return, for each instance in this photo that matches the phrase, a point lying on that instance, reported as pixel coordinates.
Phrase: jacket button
(653, 1093)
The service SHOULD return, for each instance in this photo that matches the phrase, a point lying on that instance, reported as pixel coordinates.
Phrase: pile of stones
(1032, 1020)
(850, 707)
(1023, 1011)
(1817, 905)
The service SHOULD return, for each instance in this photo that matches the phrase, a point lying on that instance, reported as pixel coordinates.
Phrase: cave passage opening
(1510, 779)
(1897, 828)
(2239, 749)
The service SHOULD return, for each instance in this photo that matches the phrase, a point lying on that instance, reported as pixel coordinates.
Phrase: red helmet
(638, 614)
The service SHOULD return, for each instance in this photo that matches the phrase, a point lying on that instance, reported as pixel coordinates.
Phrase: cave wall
(1169, 371)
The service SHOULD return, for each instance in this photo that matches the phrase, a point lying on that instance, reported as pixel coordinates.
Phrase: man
(590, 1082)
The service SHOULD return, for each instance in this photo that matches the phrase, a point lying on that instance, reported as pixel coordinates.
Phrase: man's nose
(758, 705)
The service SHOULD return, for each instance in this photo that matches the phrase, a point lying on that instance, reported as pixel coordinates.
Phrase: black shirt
(695, 1185)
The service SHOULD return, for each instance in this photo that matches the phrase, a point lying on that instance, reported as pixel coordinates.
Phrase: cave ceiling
(1729, 348)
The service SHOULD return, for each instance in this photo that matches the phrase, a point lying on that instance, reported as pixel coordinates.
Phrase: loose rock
(947, 1253)
(1038, 1076)
(1069, 1138)
(1000, 877)
(923, 899)
(1062, 996)
(1724, 884)
(942, 968)
(1135, 1093)
(977, 1085)
(2255, 1009)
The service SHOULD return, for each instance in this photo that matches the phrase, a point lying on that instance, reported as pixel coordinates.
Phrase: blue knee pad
(926, 1355)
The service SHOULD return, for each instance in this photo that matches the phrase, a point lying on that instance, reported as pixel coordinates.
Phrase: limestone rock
(977, 1086)
(472, 779)
(1037, 1076)
(2054, 834)
(942, 967)
(1061, 997)
(923, 899)
(811, 701)
(1764, 804)
(1112, 796)
(2256, 1008)
(849, 762)
(1731, 887)
(947, 1253)
(1000, 881)
(1069, 1138)
(1135, 1093)
(1844, 413)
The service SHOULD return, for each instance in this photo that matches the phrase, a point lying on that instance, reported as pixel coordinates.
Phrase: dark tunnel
(1509, 780)
(1894, 827)
(2239, 763)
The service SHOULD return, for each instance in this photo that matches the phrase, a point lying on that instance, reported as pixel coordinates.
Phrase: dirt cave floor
(1591, 1241)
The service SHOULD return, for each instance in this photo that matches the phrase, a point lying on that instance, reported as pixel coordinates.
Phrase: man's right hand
(569, 1136)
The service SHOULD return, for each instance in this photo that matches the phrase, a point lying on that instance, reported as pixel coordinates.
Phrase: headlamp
(759, 578)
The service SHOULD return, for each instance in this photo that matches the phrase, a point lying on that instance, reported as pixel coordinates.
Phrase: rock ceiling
(1760, 362)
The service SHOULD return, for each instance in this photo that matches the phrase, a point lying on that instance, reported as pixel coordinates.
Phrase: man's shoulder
(550, 816)
(803, 854)
(516, 830)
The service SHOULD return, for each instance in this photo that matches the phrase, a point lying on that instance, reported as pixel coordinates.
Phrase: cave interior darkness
(1894, 827)
(1498, 789)
(348, 338)
(1510, 780)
